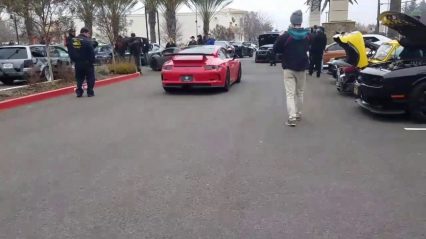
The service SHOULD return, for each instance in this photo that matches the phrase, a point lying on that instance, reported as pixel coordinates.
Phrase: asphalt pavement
(135, 162)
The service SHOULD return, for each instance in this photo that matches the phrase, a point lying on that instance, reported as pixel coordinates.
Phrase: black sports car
(266, 43)
(242, 50)
(398, 86)
(157, 61)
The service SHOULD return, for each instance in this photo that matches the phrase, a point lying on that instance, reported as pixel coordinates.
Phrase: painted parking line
(415, 129)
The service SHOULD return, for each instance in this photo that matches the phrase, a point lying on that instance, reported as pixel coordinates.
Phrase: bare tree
(47, 14)
(222, 33)
(254, 24)
(85, 10)
(207, 9)
(22, 8)
(111, 17)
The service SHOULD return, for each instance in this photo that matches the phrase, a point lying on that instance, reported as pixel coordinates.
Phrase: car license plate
(7, 66)
(186, 78)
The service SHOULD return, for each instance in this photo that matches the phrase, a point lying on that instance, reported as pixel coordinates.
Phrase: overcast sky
(279, 11)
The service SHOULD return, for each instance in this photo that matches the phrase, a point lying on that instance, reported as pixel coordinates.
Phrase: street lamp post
(378, 20)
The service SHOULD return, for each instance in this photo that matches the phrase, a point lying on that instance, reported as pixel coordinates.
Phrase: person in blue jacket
(210, 40)
(83, 54)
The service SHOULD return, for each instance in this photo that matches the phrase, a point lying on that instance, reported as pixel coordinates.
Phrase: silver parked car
(19, 62)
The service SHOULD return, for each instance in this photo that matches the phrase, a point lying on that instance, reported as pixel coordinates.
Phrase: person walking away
(294, 45)
(200, 40)
(272, 58)
(192, 42)
(135, 46)
(83, 54)
(170, 43)
(316, 52)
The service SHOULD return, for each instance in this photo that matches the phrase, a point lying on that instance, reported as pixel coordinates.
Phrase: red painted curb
(12, 103)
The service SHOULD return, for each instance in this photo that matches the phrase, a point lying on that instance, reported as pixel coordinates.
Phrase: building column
(315, 13)
(339, 10)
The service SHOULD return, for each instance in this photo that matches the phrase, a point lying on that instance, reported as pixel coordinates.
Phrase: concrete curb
(12, 103)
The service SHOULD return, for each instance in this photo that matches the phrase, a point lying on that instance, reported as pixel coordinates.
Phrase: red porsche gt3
(201, 67)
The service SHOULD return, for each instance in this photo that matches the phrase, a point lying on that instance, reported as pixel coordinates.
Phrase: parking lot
(135, 162)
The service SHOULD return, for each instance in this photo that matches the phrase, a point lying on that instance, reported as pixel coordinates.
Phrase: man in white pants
(294, 45)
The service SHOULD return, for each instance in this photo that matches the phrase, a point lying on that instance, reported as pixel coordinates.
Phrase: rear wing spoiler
(188, 54)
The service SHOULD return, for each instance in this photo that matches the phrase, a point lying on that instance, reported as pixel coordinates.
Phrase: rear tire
(418, 103)
(239, 74)
(8, 81)
(227, 81)
(154, 64)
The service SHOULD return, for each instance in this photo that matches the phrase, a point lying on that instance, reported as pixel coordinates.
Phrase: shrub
(122, 68)
(102, 70)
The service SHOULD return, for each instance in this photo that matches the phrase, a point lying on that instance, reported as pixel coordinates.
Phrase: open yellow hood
(353, 43)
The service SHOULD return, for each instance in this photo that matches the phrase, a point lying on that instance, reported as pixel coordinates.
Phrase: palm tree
(86, 11)
(151, 9)
(207, 9)
(325, 3)
(170, 7)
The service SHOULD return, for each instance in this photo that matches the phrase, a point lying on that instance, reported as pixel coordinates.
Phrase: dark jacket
(192, 42)
(135, 45)
(294, 45)
(170, 44)
(319, 42)
(68, 41)
(82, 51)
(200, 41)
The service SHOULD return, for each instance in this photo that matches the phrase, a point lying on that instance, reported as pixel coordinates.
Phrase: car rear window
(13, 53)
(200, 50)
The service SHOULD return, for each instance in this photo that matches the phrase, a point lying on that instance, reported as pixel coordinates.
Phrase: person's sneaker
(90, 95)
(291, 123)
(299, 118)
(79, 95)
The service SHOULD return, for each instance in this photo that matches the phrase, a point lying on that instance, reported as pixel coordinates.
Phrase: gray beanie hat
(297, 17)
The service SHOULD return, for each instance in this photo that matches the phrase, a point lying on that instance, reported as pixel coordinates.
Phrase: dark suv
(398, 86)
(19, 62)
(266, 43)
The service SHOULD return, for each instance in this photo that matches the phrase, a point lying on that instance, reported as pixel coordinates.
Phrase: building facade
(189, 24)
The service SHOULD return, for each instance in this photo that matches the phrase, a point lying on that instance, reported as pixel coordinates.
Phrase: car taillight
(167, 67)
(211, 67)
(28, 63)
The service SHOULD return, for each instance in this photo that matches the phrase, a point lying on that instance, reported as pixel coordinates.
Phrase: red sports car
(201, 67)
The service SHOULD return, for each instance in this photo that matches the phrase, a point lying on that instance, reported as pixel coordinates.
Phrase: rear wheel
(8, 81)
(154, 64)
(239, 74)
(227, 81)
(418, 102)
